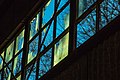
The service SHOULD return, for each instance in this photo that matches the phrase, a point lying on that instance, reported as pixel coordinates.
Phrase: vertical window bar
(97, 16)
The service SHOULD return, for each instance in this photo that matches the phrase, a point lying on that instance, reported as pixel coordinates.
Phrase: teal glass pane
(63, 20)
(109, 10)
(17, 63)
(62, 3)
(9, 52)
(84, 5)
(34, 25)
(48, 11)
(31, 75)
(7, 74)
(1, 60)
(19, 41)
(86, 28)
(49, 37)
(33, 49)
(61, 49)
(45, 63)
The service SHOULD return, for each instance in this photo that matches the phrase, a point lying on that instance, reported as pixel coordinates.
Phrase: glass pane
(33, 49)
(61, 49)
(34, 26)
(49, 37)
(86, 28)
(31, 75)
(45, 63)
(48, 11)
(9, 52)
(17, 63)
(7, 74)
(62, 3)
(19, 78)
(84, 5)
(63, 20)
(1, 60)
(19, 41)
(109, 10)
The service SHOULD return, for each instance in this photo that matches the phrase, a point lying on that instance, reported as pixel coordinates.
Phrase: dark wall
(101, 63)
(11, 14)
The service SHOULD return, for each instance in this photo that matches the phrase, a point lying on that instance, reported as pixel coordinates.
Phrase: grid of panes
(42, 35)
(11, 58)
(87, 27)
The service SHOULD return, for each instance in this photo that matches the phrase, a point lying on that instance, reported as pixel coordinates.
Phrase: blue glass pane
(9, 52)
(17, 63)
(84, 5)
(109, 10)
(32, 75)
(45, 63)
(20, 41)
(49, 37)
(63, 20)
(33, 49)
(62, 3)
(34, 26)
(1, 60)
(86, 28)
(61, 49)
(48, 11)
(7, 74)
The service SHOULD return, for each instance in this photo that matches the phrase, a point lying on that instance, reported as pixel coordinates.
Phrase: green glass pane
(7, 74)
(84, 5)
(45, 63)
(19, 78)
(86, 28)
(34, 26)
(33, 49)
(61, 49)
(20, 41)
(63, 20)
(17, 63)
(9, 52)
(1, 60)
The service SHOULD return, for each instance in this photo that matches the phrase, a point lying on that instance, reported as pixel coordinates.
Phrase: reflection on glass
(48, 11)
(19, 41)
(109, 10)
(62, 3)
(17, 63)
(63, 20)
(1, 60)
(7, 74)
(31, 75)
(33, 49)
(61, 49)
(45, 63)
(19, 78)
(9, 52)
(84, 5)
(86, 28)
(34, 26)
(49, 37)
